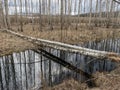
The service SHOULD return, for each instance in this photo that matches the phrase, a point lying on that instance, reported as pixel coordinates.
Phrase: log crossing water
(67, 47)
(24, 70)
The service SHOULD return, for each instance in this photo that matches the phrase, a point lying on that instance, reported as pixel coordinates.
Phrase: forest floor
(10, 43)
(71, 36)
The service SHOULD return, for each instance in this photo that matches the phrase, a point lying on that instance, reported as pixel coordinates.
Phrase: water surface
(28, 69)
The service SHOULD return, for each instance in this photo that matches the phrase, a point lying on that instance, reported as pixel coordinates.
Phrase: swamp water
(24, 70)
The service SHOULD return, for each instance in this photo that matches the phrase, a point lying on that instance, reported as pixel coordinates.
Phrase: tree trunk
(69, 13)
(78, 21)
(16, 16)
(32, 15)
(61, 18)
(50, 16)
(2, 15)
(90, 16)
(26, 6)
(40, 16)
(21, 17)
(96, 14)
(110, 14)
(7, 13)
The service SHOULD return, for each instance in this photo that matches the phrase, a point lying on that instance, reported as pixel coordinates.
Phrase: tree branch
(117, 1)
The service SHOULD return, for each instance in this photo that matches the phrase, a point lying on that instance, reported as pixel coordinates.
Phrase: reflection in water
(25, 70)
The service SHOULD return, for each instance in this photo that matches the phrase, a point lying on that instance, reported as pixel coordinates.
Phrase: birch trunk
(26, 6)
(21, 17)
(69, 13)
(78, 21)
(50, 16)
(7, 15)
(96, 14)
(61, 15)
(110, 14)
(16, 15)
(40, 16)
(90, 16)
(67, 47)
(32, 14)
(2, 15)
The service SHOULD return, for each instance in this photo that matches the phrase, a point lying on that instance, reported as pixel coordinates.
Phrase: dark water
(24, 70)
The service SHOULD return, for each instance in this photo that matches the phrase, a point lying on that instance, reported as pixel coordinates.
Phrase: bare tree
(61, 14)
(75, 9)
(78, 22)
(84, 5)
(69, 13)
(90, 17)
(26, 6)
(100, 15)
(32, 14)
(6, 13)
(61, 18)
(21, 17)
(40, 16)
(109, 15)
(118, 14)
(16, 15)
(65, 18)
(43, 10)
(2, 16)
(96, 14)
(50, 16)
(107, 8)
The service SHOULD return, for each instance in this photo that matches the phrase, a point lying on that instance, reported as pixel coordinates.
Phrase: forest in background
(59, 13)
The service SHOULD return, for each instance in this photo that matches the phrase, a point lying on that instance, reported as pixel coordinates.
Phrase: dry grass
(71, 36)
(108, 81)
(10, 44)
(69, 85)
(104, 81)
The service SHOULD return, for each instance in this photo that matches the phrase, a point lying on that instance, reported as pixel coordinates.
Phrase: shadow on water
(24, 70)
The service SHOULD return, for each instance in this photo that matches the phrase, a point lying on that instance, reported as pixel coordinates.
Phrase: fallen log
(67, 47)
